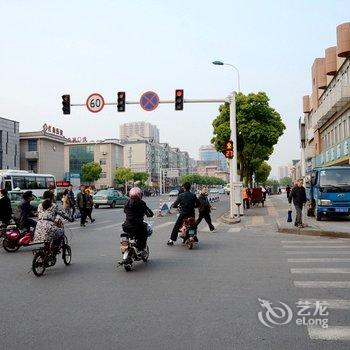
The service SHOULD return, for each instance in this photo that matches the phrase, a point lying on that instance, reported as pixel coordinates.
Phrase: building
(43, 151)
(209, 153)
(9, 144)
(325, 125)
(136, 129)
(108, 153)
(282, 172)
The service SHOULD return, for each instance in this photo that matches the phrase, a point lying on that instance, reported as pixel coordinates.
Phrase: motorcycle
(130, 252)
(15, 237)
(189, 232)
(46, 256)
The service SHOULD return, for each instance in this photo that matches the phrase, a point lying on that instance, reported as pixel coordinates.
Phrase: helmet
(135, 193)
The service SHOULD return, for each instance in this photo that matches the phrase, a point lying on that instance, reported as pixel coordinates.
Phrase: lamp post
(234, 209)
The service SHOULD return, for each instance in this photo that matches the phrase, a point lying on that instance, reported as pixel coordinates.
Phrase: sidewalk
(331, 227)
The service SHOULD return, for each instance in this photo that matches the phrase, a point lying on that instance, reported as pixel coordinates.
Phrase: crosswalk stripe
(99, 228)
(322, 284)
(271, 211)
(257, 220)
(320, 270)
(322, 252)
(206, 229)
(234, 229)
(336, 241)
(330, 333)
(306, 260)
(316, 246)
(334, 304)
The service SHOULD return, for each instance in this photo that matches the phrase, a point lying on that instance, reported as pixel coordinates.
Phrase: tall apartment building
(108, 153)
(9, 144)
(43, 152)
(209, 154)
(325, 126)
(135, 129)
(283, 171)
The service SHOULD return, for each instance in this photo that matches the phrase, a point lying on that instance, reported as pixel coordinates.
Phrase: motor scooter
(15, 237)
(189, 232)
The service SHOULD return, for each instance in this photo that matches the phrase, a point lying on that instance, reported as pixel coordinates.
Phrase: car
(16, 198)
(174, 193)
(227, 189)
(109, 197)
(221, 191)
(213, 190)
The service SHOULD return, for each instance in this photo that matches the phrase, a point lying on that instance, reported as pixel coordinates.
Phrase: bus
(23, 180)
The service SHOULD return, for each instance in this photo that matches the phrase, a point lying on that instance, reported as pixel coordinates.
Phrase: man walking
(187, 201)
(288, 189)
(72, 200)
(204, 209)
(298, 195)
(82, 205)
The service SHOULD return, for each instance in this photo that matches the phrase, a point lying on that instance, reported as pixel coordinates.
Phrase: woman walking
(66, 203)
(89, 204)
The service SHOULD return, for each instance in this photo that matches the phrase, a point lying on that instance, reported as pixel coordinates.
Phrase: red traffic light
(179, 99)
(229, 151)
(179, 93)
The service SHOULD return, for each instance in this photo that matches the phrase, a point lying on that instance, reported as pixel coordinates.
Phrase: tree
(91, 172)
(141, 178)
(286, 181)
(203, 180)
(262, 173)
(259, 127)
(123, 175)
(271, 183)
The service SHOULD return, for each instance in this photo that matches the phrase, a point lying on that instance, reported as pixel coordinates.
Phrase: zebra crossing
(330, 259)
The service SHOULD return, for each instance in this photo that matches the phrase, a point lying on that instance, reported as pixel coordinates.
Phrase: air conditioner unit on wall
(104, 153)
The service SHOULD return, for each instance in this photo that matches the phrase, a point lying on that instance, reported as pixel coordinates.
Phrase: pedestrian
(205, 209)
(66, 203)
(89, 204)
(5, 208)
(298, 196)
(82, 205)
(288, 189)
(245, 196)
(263, 190)
(72, 200)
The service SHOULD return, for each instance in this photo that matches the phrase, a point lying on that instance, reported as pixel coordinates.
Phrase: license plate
(341, 210)
(191, 232)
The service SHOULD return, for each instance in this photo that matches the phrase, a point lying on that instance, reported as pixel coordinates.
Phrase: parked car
(174, 193)
(213, 191)
(109, 197)
(16, 199)
(221, 191)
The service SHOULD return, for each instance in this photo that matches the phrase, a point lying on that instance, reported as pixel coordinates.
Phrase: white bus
(15, 180)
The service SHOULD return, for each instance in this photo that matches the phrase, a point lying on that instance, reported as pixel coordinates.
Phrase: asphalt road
(206, 298)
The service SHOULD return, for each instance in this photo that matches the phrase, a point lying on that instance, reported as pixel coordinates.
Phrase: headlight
(324, 202)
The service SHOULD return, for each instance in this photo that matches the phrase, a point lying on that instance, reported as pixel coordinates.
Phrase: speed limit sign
(95, 103)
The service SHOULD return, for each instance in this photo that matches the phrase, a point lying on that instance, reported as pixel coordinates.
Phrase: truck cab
(328, 191)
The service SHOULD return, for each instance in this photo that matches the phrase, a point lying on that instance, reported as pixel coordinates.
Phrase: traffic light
(121, 101)
(66, 104)
(229, 151)
(179, 100)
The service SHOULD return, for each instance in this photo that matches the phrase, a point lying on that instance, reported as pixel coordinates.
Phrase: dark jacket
(25, 212)
(204, 205)
(135, 211)
(82, 200)
(187, 201)
(5, 210)
(298, 195)
(71, 198)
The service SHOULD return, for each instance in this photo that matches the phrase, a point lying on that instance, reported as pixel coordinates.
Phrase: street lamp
(234, 207)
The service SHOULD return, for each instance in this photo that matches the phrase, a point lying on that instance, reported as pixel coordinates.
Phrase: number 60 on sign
(95, 103)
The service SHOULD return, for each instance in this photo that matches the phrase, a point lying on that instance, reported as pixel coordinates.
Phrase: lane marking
(319, 252)
(108, 226)
(336, 241)
(335, 304)
(257, 220)
(322, 284)
(305, 260)
(316, 246)
(330, 333)
(321, 270)
(234, 229)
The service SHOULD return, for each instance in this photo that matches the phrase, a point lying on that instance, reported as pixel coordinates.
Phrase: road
(207, 298)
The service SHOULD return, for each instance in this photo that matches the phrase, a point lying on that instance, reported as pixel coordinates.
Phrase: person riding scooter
(26, 211)
(134, 226)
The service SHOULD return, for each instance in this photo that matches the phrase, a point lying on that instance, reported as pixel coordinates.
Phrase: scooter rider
(187, 201)
(26, 211)
(135, 210)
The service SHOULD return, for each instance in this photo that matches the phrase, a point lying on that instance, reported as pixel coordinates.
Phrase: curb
(229, 221)
(310, 231)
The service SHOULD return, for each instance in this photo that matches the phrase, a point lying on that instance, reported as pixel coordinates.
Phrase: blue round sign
(149, 101)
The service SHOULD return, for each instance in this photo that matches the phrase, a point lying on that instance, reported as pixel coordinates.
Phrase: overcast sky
(79, 47)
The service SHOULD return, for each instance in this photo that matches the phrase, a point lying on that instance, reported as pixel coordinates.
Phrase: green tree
(140, 178)
(259, 127)
(91, 172)
(286, 181)
(271, 183)
(262, 173)
(123, 175)
(202, 180)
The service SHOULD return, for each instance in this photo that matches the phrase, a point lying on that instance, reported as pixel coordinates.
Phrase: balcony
(334, 99)
(32, 155)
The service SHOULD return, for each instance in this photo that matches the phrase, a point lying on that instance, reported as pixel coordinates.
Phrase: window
(41, 182)
(33, 165)
(50, 182)
(18, 181)
(103, 161)
(335, 134)
(32, 145)
(103, 175)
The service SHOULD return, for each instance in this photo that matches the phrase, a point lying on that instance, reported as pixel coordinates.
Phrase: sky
(50, 48)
